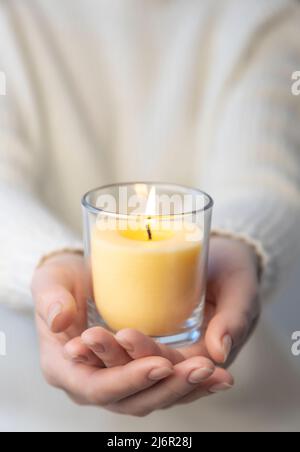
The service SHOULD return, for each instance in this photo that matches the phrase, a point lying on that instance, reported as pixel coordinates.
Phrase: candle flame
(150, 211)
(151, 203)
(141, 190)
(150, 206)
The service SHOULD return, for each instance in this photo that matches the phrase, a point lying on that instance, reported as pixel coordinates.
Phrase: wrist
(250, 249)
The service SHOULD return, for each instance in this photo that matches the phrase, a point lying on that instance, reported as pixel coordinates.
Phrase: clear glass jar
(146, 248)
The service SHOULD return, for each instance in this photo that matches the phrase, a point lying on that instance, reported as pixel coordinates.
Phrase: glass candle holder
(146, 249)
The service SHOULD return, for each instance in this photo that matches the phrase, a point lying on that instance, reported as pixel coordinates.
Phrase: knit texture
(101, 91)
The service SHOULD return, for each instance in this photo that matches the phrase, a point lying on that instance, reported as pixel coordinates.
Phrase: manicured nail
(98, 348)
(220, 388)
(55, 310)
(81, 359)
(199, 375)
(125, 344)
(227, 347)
(160, 373)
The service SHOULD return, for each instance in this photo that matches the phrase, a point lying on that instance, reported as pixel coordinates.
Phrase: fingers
(101, 387)
(104, 345)
(78, 352)
(140, 386)
(137, 345)
(116, 350)
(187, 376)
(237, 309)
(55, 303)
(108, 386)
(221, 381)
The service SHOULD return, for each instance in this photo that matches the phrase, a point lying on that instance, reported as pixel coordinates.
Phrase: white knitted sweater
(189, 91)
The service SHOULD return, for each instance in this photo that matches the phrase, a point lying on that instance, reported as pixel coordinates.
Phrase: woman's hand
(129, 372)
(93, 367)
(232, 311)
(232, 302)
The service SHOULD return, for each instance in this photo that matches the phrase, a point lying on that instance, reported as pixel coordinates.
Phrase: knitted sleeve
(27, 229)
(253, 168)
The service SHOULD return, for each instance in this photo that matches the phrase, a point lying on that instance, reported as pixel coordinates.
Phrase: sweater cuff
(76, 250)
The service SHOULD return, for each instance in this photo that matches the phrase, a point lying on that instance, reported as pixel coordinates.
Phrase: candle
(146, 248)
(146, 278)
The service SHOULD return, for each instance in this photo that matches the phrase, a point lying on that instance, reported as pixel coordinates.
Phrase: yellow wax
(149, 285)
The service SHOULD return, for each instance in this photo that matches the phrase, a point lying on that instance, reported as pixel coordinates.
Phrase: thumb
(52, 292)
(237, 309)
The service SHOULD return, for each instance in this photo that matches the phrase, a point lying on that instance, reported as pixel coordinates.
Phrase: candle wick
(149, 232)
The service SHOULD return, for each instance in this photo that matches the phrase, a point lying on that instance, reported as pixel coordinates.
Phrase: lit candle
(147, 278)
(150, 210)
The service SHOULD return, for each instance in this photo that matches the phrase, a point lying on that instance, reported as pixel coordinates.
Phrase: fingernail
(220, 388)
(227, 347)
(160, 373)
(54, 310)
(125, 344)
(198, 375)
(81, 359)
(98, 348)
